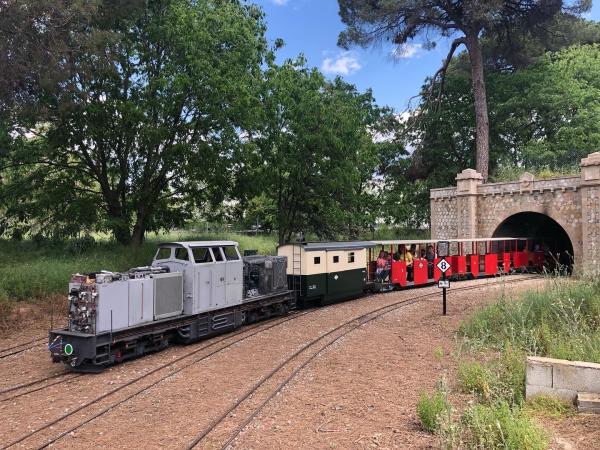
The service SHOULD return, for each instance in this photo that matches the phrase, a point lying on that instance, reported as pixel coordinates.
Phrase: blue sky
(311, 27)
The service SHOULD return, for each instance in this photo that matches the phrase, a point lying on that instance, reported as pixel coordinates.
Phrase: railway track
(247, 333)
(328, 340)
(18, 387)
(20, 348)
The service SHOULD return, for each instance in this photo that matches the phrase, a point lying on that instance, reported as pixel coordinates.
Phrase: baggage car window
(182, 253)
(317, 260)
(163, 253)
(336, 259)
(351, 257)
(231, 253)
(217, 253)
(201, 255)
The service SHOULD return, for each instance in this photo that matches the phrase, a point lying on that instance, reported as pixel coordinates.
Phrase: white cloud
(407, 51)
(280, 2)
(345, 63)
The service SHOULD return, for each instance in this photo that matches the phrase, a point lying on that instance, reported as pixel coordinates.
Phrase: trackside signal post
(443, 265)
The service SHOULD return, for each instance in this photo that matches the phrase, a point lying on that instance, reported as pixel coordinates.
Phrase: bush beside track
(561, 321)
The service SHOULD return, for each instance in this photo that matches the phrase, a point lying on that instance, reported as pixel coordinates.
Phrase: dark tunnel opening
(544, 232)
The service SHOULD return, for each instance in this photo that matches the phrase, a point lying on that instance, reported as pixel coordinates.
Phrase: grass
(561, 321)
(551, 407)
(32, 270)
(497, 426)
(514, 173)
(431, 409)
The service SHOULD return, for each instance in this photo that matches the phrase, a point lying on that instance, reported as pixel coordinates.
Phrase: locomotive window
(201, 255)
(182, 253)
(230, 253)
(218, 255)
(163, 253)
(336, 259)
(351, 257)
(317, 260)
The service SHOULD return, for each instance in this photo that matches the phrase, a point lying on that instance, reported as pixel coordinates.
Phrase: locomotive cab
(212, 273)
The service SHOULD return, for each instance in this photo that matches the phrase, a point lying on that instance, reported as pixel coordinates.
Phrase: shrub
(497, 426)
(501, 380)
(547, 406)
(474, 378)
(562, 321)
(431, 409)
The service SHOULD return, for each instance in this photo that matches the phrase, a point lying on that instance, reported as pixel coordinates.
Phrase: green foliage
(498, 427)
(560, 321)
(146, 123)
(432, 408)
(543, 120)
(547, 406)
(474, 377)
(312, 161)
(512, 173)
(498, 380)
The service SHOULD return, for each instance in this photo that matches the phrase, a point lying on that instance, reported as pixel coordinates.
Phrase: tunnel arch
(555, 239)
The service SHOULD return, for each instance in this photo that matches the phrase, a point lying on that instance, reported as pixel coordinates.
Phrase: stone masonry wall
(475, 210)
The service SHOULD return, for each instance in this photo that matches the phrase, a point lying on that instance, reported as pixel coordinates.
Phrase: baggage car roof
(320, 246)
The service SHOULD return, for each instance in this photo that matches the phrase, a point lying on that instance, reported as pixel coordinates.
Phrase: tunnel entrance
(544, 232)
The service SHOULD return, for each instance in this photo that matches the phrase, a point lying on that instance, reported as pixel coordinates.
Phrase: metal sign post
(444, 294)
(444, 266)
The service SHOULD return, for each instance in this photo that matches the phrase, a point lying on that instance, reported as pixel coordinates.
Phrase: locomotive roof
(198, 243)
(319, 246)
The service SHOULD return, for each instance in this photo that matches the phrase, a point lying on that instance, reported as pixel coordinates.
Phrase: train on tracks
(194, 290)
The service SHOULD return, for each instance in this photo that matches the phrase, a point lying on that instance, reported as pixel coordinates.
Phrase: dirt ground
(360, 392)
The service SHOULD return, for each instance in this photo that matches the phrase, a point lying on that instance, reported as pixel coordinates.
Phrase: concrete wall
(561, 378)
(473, 209)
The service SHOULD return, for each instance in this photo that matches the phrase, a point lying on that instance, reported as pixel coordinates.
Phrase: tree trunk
(482, 125)
(137, 237)
(121, 232)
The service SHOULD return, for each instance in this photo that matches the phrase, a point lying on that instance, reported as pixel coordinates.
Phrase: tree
(465, 21)
(545, 118)
(146, 125)
(314, 157)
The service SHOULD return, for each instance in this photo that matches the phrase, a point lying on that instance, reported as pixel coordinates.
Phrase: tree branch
(442, 71)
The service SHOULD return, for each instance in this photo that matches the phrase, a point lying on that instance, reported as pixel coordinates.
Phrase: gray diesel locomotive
(191, 291)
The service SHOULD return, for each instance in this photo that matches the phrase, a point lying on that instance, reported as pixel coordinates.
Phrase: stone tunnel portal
(546, 232)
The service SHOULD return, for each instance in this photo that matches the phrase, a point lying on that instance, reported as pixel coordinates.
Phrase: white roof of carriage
(188, 244)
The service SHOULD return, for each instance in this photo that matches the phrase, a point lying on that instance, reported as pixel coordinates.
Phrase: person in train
(430, 256)
(382, 272)
(407, 257)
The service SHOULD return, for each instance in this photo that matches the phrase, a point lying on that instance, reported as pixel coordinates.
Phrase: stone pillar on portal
(590, 212)
(467, 184)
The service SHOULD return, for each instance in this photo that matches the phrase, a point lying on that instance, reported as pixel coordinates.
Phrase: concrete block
(538, 373)
(581, 377)
(588, 402)
(566, 395)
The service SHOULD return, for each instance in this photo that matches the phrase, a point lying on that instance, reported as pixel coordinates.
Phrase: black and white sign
(443, 265)
(444, 284)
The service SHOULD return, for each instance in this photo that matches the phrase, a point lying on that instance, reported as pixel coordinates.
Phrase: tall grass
(31, 270)
(562, 321)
